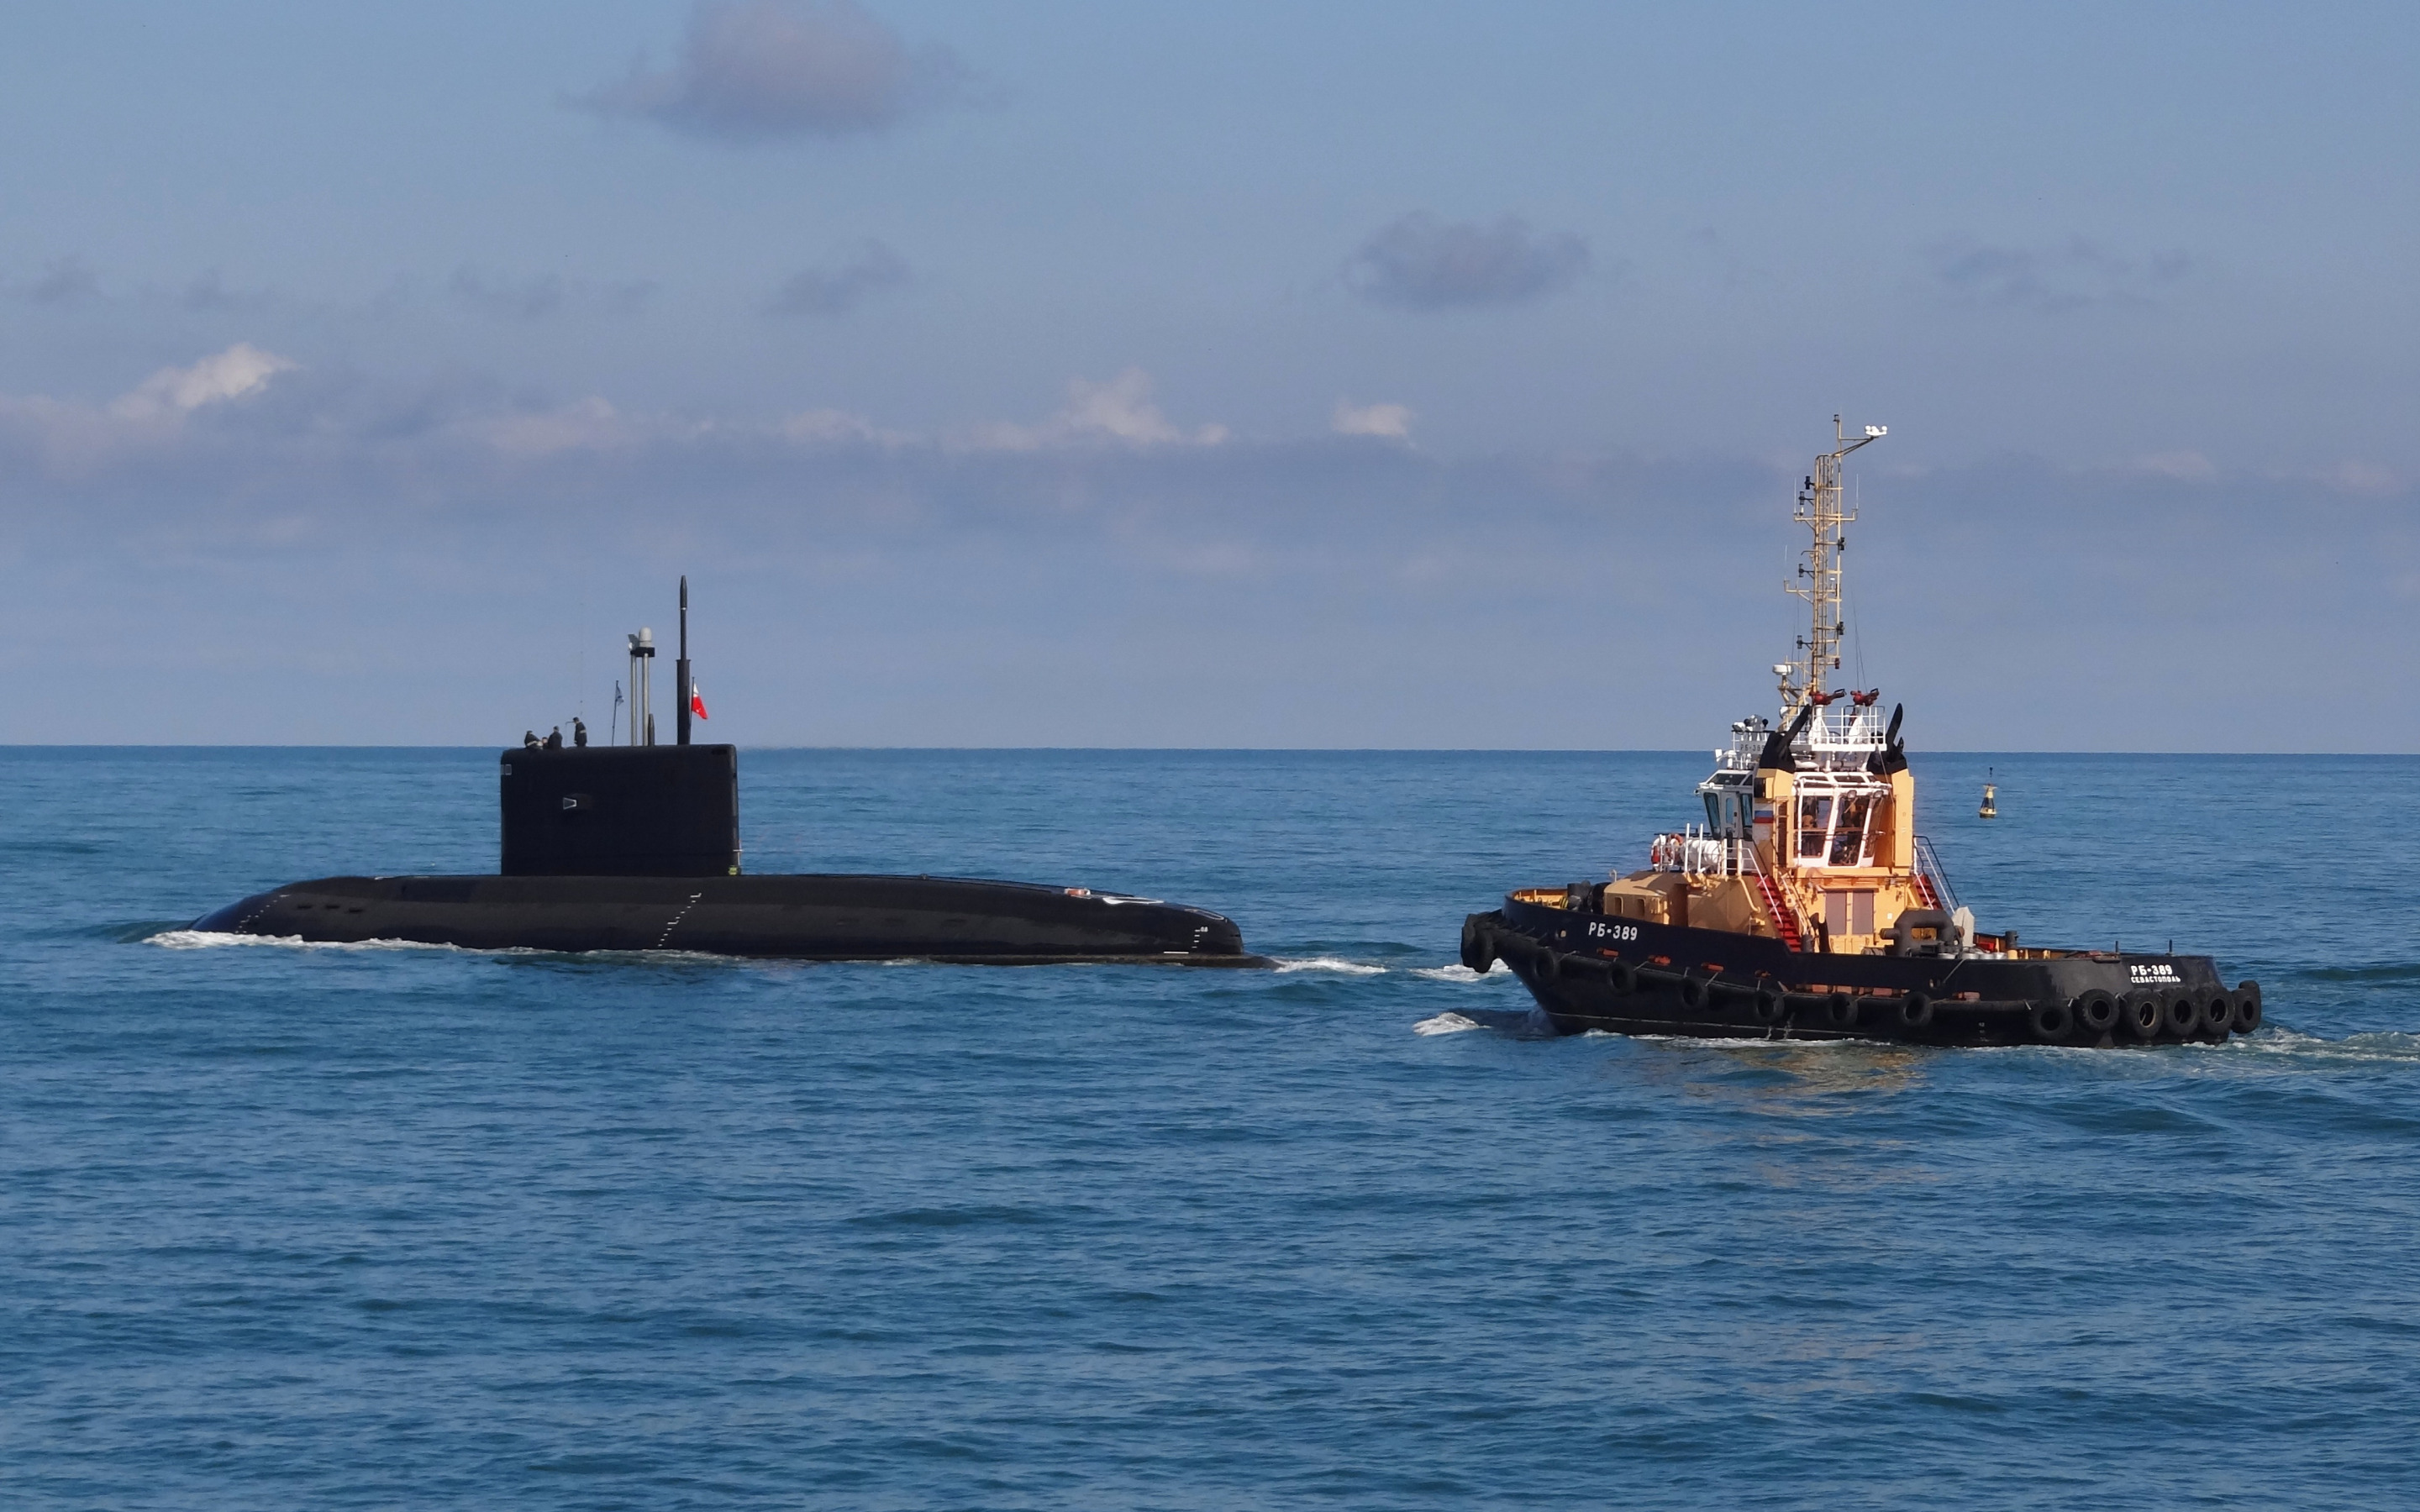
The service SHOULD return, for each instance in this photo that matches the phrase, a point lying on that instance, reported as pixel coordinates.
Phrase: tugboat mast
(1818, 573)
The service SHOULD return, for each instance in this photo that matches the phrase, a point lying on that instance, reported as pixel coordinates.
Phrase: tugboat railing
(1927, 866)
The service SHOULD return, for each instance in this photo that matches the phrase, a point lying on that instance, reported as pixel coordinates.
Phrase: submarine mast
(642, 712)
(680, 669)
(1819, 574)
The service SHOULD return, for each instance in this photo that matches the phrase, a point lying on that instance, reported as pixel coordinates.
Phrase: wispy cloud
(2080, 274)
(207, 291)
(62, 281)
(525, 298)
(2367, 479)
(2186, 467)
(760, 70)
(537, 296)
(1391, 420)
(1118, 412)
(842, 283)
(1419, 262)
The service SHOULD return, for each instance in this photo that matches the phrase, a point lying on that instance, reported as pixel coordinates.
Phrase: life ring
(2052, 1021)
(2142, 1015)
(1843, 1009)
(2182, 1015)
(2247, 1007)
(1477, 944)
(1622, 977)
(2097, 1010)
(1768, 1005)
(1693, 992)
(1916, 1011)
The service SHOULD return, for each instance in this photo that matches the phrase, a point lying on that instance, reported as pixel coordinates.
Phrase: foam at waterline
(1445, 1023)
(194, 939)
(1329, 962)
(197, 939)
(1458, 972)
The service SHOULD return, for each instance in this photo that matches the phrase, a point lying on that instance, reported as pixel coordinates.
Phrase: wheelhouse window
(1841, 828)
(1849, 836)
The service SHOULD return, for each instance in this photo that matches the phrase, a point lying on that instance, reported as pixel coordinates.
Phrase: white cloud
(1119, 411)
(1391, 420)
(77, 435)
(172, 391)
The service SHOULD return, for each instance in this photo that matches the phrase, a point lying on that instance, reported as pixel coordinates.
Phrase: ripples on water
(307, 1227)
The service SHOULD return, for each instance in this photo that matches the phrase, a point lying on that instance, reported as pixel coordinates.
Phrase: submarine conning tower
(620, 812)
(635, 810)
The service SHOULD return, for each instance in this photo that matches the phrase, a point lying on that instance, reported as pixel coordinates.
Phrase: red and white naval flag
(696, 701)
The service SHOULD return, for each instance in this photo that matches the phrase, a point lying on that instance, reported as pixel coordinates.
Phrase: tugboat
(1808, 907)
(636, 847)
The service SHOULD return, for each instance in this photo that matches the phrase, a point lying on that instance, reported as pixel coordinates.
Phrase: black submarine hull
(1624, 975)
(806, 916)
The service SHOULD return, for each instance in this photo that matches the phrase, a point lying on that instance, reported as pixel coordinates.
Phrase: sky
(1057, 374)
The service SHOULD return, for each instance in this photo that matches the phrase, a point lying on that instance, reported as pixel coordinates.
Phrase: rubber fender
(1693, 992)
(1546, 965)
(1478, 944)
(2217, 1014)
(1842, 1009)
(2097, 1010)
(2051, 1021)
(1916, 1011)
(1622, 977)
(1768, 1005)
(1796, 1003)
(2182, 1015)
(1862, 1010)
(2142, 1015)
(2247, 1007)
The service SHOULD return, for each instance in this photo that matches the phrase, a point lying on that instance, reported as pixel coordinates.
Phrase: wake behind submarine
(636, 847)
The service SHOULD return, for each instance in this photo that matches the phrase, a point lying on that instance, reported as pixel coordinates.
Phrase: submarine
(636, 847)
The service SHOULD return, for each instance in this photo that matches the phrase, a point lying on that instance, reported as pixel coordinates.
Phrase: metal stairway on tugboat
(1806, 906)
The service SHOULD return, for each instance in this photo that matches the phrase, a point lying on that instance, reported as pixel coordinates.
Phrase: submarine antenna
(680, 670)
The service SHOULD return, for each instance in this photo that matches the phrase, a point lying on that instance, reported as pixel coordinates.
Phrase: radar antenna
(1819, 571)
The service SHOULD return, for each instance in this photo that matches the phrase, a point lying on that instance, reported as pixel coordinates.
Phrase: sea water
(399, 1227)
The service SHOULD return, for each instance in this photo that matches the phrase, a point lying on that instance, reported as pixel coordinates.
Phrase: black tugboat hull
(810, 917)
(1591, 972)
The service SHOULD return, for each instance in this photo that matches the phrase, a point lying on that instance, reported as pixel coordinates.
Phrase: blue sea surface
(380, 1227)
